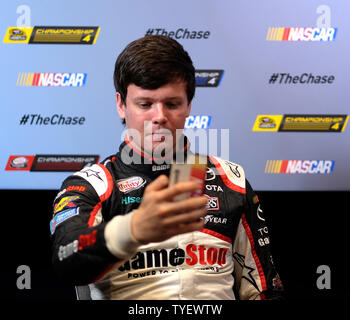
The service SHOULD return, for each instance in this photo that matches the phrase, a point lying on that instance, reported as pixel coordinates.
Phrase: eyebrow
(137, 99)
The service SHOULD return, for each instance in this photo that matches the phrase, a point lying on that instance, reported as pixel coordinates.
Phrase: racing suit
(93, 245)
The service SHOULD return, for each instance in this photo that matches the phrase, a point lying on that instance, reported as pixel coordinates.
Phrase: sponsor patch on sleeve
(61, 217)
(65, 202)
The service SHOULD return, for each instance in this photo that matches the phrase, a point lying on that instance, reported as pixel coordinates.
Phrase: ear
(120, 106)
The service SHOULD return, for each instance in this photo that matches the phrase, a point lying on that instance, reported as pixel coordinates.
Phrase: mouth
(160, 135)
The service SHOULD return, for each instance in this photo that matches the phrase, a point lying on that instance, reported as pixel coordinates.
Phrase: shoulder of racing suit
(232, 174)
(100, 179)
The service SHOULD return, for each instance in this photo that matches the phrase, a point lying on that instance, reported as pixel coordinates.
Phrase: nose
(160, 116)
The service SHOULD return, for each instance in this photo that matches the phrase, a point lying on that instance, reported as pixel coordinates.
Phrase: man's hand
(158, 217)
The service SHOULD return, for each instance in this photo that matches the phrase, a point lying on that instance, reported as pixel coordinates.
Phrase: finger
(158, 184)
(185, 218)
(185, 206)
(180, 187)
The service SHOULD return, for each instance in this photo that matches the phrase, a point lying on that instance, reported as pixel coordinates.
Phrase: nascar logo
(299, 166)
(301, 34)
(30, 79)
(197, 122)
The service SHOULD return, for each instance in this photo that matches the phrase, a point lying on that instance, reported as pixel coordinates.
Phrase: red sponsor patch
(87, 240)
(76, 188)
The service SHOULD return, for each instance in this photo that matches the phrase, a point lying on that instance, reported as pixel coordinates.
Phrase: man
(116, 225)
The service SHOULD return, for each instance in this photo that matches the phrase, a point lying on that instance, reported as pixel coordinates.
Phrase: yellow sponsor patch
(267, 122)
(65, 202)
(18, 34)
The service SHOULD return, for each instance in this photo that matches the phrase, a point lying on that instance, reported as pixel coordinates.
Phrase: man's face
(155, 115)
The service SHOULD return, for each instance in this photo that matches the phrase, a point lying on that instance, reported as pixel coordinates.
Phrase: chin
(159, 149)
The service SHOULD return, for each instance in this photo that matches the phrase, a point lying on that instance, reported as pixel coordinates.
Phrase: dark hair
(151, 62)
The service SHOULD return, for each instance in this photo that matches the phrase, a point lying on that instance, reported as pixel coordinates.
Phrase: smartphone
(194, 169)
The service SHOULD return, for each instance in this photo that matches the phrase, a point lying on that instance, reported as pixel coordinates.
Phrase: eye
(145, 105)
(172, 105)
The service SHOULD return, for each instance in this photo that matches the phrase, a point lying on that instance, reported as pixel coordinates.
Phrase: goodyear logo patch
(301, 123)
(52, 35)
(299, 166)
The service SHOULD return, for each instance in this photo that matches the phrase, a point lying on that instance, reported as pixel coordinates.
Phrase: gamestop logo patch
(192, 255)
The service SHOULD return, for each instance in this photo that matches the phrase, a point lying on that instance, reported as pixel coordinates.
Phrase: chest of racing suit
(228, 259)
